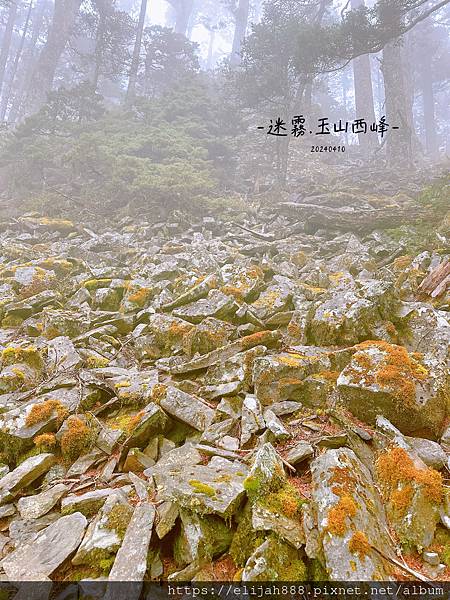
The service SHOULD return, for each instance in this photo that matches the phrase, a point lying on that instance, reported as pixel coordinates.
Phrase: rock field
(200, 400)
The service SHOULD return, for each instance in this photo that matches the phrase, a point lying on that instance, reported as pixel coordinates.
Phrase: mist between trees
(100, 104)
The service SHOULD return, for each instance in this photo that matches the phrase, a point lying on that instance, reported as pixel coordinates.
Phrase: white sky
(155, 15)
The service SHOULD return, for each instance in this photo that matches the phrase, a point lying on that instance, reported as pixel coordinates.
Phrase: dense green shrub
(164, 153)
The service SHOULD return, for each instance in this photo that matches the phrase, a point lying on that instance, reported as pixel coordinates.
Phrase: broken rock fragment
(350, 518)
(386, 379)
(48, 551)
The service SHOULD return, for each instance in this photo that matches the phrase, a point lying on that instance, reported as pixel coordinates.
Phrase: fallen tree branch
(398, 564)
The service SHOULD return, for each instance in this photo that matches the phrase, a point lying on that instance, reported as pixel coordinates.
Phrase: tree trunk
(344, 76)
(192, 20)
(6, 43)
(27, 70)
(102, 8)
(183, 13)
(212, 37)
(7, 92)
(426, 83)
(239, 31)
(379, 93)
(399, 142)
(364, 95)
(65, 13)
(131, 91)
(428, 106)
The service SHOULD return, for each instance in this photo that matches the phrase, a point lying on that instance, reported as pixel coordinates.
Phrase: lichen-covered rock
(186, 408)
(40, 415)
(62, 355)
(137, 461)
(200, 538)
(280, 377)
(217, 305)
(49, 549)
(275, 504)
(252, 418)
(137, 295)
(385, 379)
(134, 387)
(186, 455)
(21, 367)
(88, 503)
(428, 451)
(105, 533)
(350, 518)
(275, 560)
(413, 493)
(276, 298)
(166, 337)
(209, 335)
(167, 513)
(215, 488)
(288, 527)
(299, 453)
(350, 315)
(427, 331)
(33, 507)
(31, 469)
(242, 282)
(233, 375)
(224, 353)
(275, 426)
(130, 564)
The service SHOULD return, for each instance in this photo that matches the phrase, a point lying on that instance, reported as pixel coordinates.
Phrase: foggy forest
(224, 277)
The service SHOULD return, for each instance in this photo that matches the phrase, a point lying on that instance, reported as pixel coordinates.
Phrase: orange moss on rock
(364, 361)
(44, 410)
(76, 439)
(328, 375)
(338, 514)
(359, 544)
(134, 422)
(391, 329)
(396, 470)
(398, 371)
(402, 262)
(256, 339)
(159, 392)
(401, 499)
(45, 441)
(343, 480)
(178, 330)
(140, 297)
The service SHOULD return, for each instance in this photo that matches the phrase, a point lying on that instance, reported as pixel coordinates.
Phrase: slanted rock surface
(350, 518)
(48, 550)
